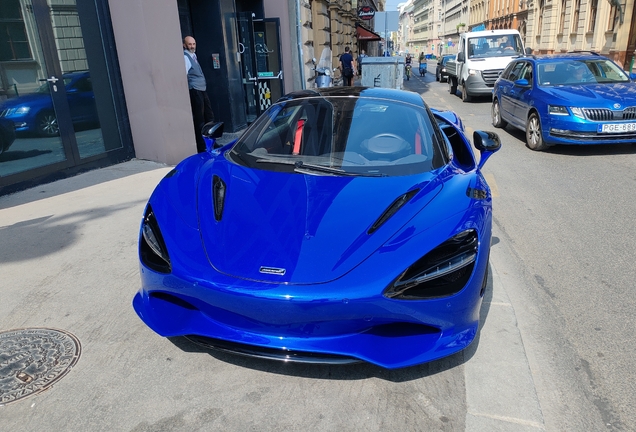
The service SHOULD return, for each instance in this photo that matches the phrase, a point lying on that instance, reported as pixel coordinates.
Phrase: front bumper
(388, 333)
(476, 86)
(566, 130)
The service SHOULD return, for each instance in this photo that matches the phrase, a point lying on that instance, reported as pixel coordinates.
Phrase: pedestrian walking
(348, 67)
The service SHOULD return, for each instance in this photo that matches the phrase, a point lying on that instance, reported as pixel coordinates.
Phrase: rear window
(342, 136)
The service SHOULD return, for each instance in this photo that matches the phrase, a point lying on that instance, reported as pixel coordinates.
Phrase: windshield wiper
(302, 167)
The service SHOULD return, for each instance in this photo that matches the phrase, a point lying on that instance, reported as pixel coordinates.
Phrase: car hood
(601, 95)
(312, 229)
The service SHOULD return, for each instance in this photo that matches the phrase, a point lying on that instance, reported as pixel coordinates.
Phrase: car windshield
(579, 72)
(342, 136)
(495, 46)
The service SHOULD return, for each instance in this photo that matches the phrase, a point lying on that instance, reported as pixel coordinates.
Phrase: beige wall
(148, 39)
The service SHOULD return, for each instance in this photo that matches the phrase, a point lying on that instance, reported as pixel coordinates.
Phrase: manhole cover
(31, 360)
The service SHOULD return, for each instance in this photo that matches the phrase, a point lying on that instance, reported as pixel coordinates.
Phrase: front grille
(604, 114)
(491, 75)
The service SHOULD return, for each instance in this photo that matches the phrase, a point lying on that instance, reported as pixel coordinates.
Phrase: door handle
(53, 80)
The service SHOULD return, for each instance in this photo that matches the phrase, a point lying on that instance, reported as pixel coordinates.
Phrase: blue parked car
(574, 98)
(34, 112)
(346, 224)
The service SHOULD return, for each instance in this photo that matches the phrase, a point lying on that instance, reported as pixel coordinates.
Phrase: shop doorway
(261, 62)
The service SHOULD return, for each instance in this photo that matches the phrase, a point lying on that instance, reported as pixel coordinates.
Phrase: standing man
(201, 108)
(348, 65)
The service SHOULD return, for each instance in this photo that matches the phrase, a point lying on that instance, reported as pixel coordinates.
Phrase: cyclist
(407, 66)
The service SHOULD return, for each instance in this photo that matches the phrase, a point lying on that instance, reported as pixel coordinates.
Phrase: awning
(364, 34)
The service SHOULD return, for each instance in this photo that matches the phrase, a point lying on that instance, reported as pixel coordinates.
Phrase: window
(541, 11)
(562, 18)
(515, 73)
(593, 8)
(575, 16)
(612, 18)
(14, 44)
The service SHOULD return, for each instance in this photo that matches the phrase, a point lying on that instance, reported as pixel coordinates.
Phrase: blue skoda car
(575, 98)
(34, 112)
(346, 224)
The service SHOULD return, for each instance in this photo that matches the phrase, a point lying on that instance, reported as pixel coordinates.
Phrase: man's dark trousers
(201, 114)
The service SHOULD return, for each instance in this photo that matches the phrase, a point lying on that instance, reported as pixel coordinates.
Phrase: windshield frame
(496, 46)
(341, 137)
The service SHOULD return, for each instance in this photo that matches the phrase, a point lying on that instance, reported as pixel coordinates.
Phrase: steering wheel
(387, 135)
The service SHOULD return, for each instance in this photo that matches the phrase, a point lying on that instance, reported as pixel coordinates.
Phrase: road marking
(490, 179)
(509, 420)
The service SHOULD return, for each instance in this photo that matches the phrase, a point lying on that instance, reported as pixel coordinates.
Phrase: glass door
(248, 64)
(268, 62)
(46, 88)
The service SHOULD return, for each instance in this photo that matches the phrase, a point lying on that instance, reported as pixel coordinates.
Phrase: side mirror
(313, 60)
(211, 131)
(487, 143)
(528, 51)
(632, 76)
(461, 57)
(522, 83)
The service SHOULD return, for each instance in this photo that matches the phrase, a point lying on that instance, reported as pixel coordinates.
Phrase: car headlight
(152, 248)
(22, 110)
(443, 69)
(472, 72)
(442, 272)
(578, 112)
(558, 110)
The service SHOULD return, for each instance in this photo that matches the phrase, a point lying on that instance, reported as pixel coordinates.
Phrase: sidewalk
(69, 261)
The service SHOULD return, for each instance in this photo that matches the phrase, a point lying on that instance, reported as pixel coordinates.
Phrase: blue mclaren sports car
(346, 224)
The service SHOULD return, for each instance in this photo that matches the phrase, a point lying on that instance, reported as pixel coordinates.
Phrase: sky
(391, 5)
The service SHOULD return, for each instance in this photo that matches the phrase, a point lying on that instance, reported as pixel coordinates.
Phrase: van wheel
(452, 86)
(534, 138)
(465, 96)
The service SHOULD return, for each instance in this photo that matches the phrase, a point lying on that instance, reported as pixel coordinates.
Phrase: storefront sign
(366, 12)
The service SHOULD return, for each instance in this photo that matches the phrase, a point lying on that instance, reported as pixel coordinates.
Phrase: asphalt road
(567, 217)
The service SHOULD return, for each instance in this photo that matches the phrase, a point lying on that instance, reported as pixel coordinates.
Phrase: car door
(513, 91)
(81, 100)
(521, 93)
(505, 87)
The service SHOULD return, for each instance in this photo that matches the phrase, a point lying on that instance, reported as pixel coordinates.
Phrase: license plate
(617, 127)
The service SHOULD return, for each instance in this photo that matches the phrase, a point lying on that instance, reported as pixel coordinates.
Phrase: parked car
(346, 224)
(441, 74)
(7, 134)
(574, 98)
(34, 112)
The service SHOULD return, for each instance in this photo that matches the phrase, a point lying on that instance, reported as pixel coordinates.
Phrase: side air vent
(218, 197)
(392, 209)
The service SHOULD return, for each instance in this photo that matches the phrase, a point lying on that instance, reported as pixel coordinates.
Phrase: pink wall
(279, 9)
(150, 53)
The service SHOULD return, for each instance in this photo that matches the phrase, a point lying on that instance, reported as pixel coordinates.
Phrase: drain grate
(33, 359)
